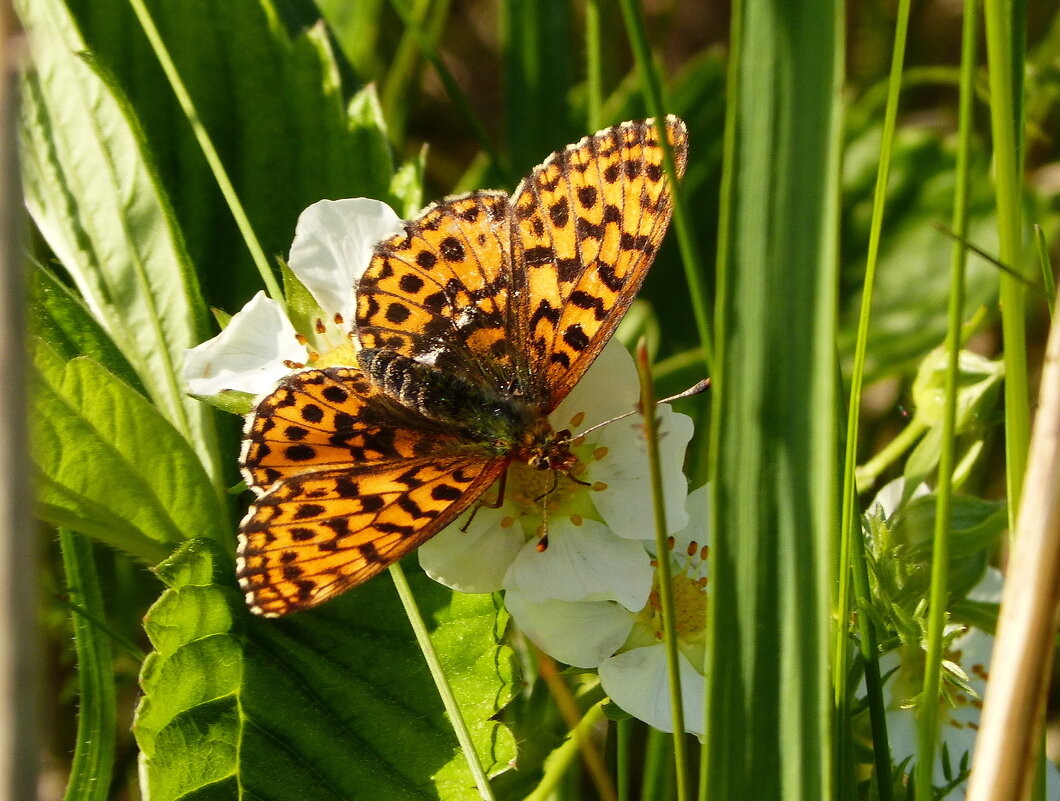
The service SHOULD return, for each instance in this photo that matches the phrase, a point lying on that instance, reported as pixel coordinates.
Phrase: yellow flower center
(690, 611)
(345, 355)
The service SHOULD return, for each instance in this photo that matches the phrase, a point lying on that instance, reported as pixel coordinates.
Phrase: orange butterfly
(473, 325)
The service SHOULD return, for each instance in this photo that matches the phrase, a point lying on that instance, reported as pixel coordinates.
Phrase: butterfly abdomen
(490, 419)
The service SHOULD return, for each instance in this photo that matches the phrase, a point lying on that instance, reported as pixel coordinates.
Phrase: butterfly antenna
(695, 389)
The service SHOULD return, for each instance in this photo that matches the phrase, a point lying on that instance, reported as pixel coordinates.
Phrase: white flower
(331, 250)
(958, 724)
(595, 518)
(626, 645)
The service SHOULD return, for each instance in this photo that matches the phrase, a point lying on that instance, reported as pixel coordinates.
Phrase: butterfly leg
(495, 505)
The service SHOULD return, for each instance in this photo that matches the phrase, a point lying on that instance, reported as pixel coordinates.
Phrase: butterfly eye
(563, 436)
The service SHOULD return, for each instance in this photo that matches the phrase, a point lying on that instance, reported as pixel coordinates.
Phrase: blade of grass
(686, 242)
(662, 569)
(655, 782)
(405, 69)
(851, 555)
(208, 150)
(775, 474)
(927, 723)
(1002, 30)
(97, 718)
(538, 63)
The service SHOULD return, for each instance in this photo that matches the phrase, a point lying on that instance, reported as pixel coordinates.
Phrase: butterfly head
(544, 448)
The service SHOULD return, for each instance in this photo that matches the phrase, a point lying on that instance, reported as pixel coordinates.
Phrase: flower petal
(626, 504)
(637, 681)
(889, 499)
(579, 633)
(583, 563)
(608, 389)
(697, 530)
(333, 245)
(475, 560)
(249, 355)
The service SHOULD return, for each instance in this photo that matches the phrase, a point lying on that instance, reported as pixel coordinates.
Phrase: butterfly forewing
(319, 533)
(588, 223)
(441, 291)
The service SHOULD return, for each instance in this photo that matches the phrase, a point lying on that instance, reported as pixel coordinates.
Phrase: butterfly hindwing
(588, 223)
(324, 419)
(316, 534)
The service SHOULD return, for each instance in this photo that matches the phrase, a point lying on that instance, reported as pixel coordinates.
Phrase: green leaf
(368, 130)
(975, 525)
(978, 383)
(100, 208)
(275, 108)
(61, 319)
(230, 400)
(109, 465)
(302, 308)
(407, 186)
(358, 28)
(538, 69)
(912, 283)
(332, 703)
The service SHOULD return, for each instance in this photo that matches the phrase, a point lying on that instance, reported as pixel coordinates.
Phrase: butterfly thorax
(500, 423)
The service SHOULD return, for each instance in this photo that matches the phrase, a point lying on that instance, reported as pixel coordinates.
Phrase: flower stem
(558, 762)
(568, 708)
(662, 550)
(213, 159)
(430, 656)
(866, 475)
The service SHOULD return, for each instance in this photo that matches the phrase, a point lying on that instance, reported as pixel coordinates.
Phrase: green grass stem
(686, 242)
(220, 174)
(850, 539)
(662, 569)
(623, 750)
(927, 722)
(452, 88)
(558, 764)
(434, 664)
(1006, 128)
